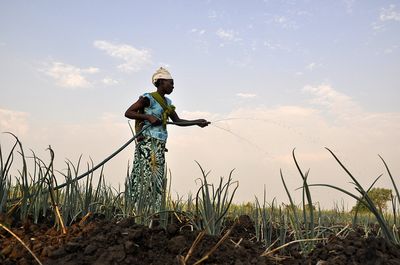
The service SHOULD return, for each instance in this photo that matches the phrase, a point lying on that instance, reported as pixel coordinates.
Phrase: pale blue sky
(80, 63)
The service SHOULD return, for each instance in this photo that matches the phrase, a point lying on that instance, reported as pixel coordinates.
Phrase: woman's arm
(181, 122)
(133, 112)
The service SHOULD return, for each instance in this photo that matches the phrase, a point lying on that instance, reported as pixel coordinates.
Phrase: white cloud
(391, 49)
(280, 19)
(13, 121)
(246, 95)
(325, 95)
(386, 15)
(91, 70)
(275, 46)
(349, 5)
(389, 13)
(214, 15)
(334, 102)
(198, 31)
(70, 76)
(109, 81)
(378, 26)
(227, 35)
(135, 59)
(284, 21)
(243, 62)
(200, 42)
(311, 66)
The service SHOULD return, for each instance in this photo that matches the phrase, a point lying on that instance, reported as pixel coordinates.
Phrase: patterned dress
(148, 177)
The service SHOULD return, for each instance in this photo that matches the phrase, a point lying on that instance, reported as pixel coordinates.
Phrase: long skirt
(148, 179)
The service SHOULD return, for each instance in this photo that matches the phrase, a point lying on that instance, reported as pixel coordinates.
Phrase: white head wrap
(161, 73)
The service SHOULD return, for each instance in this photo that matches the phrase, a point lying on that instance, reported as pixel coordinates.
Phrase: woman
(147, 180)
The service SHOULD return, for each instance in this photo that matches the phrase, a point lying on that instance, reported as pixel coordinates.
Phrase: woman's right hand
(153, 120)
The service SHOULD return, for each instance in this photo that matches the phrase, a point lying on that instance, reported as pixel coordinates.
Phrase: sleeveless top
(154, 109)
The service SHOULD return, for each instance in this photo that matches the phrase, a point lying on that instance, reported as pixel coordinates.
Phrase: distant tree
(379, 196)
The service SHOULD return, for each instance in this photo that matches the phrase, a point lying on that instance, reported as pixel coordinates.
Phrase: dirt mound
(355, 249)
(124, 242)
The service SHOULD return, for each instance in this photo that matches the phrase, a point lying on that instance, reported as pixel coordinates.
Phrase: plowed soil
(124, 242)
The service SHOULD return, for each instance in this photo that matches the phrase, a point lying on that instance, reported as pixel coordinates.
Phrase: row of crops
(35, 194)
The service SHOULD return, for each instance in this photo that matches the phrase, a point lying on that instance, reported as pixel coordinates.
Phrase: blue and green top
(155, 109)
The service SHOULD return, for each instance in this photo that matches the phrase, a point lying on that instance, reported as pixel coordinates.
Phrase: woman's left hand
(203, 123)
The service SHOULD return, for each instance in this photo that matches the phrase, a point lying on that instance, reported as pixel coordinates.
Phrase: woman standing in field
(148, 178)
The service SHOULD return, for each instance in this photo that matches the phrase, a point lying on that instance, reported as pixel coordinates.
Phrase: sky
(271, 76)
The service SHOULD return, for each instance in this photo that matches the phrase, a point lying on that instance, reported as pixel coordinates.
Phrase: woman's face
(167, 85)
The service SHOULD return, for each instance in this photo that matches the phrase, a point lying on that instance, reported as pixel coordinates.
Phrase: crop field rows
(88, 222)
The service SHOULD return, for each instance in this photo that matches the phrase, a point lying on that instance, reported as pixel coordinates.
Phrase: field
(82, 222)
(99, 241)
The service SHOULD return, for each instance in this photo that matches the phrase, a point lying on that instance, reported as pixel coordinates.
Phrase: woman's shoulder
(148, 96)
(145, 99)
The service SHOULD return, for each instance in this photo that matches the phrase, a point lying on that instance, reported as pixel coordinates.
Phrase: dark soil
(124, 242)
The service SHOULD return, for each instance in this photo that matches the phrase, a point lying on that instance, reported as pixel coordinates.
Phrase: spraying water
(309, 138)
(244, 139)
